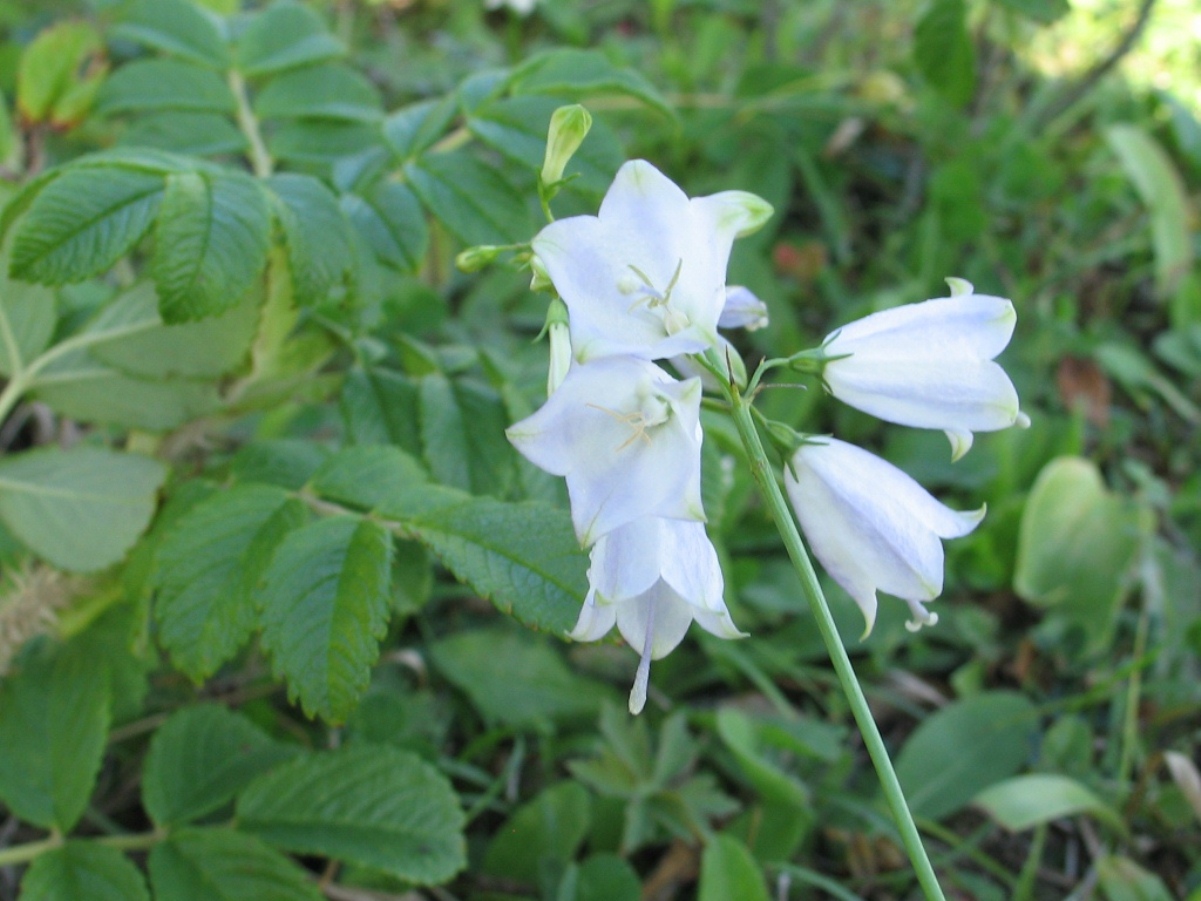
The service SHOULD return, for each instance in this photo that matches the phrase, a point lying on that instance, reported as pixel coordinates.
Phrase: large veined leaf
(208, 567)
(224, 865)
(963, 749)
(462, 435)
(332, 91)
(31, 315)
(286, 35)
(317, 234)
(178, 28)
(576, 74)
(81, 509)
(84, 221)
(475, 201)
(325, 600)
(412, 129)
(196, 134)
(376, 806)
(200, 759)
(84, 389)
(83, 871)
(54, 715)
(211, 243)
(165, 84)
(391, 221)
(379, 406)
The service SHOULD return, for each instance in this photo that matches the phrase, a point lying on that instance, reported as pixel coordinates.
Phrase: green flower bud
(568, 127)
(473, 259)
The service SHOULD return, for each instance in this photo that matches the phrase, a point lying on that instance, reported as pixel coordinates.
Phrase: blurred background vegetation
(1047, 731)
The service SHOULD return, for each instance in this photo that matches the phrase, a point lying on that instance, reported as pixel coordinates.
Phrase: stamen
(636, 419)
(642, 677)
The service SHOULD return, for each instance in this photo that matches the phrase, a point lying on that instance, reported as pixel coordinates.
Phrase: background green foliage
(276, 592)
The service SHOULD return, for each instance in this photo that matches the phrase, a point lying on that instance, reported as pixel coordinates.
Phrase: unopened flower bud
(541, 278)
(569, 126)
(560, 345)
(742, 310)
(473, 259)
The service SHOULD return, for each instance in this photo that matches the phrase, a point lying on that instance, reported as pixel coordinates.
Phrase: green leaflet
(943, 50)
(54, 714)
(200, 759)
(211, 243)
(317, 235)
(178, 28)
(223, 865)
(476, 202)
(207, 570)
(324, 603)
(369, 804)
(165, 84)
(284, 36)
(83, 871)
(81, 509)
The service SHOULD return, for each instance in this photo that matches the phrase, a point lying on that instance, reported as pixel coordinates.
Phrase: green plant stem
(761, 469)
(260, 158)
(23, 853)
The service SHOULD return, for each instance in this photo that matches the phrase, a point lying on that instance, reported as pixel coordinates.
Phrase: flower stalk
(763, 473)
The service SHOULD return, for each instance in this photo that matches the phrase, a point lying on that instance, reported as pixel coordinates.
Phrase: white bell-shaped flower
(647, 276)
(871, 526)
(651, 578)
(627, 437)
(929, 365)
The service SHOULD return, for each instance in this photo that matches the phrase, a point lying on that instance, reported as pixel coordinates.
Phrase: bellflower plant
(871, 526)
(651, 578)
(929, 365)
(647, 276)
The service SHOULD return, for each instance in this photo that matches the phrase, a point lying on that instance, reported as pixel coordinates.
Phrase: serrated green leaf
(943, 50)
(83, 871)
(577, 74)
(331, 91)
(207, 569)
(412, 129)
(317, 234)
(178, 28)
(211, 243)
(224, 865)
(963, 749)
(728, 870)
(476, 202)
(30, 314)
(165, 84)
(321, 142)
(206, 349)
(82, 222)
(287, 34)
(80, 509)
(197, 134)
(200, 758)
(50, 66)
(324, 604)
(523, 557)
(390, 219)
(371, 805)
(516, 678)
(137, 159)
(54, 715)
(360, 476)
(83, 389)
(286, 462)
(462, 435)
(543, 835)
(380, 407)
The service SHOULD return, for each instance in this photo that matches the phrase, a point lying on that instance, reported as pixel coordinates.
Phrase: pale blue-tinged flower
(626, 436)
(742, 309)
(929, 365)
(647, 275)
(871, 526)
(651, 578)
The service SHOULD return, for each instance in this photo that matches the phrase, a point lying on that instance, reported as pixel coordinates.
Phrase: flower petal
(661, 610)
(975, 326)
(595, 620)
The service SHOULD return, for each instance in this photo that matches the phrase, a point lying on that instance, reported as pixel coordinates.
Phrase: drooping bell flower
(929, 365)
(871, 526)
(651, 578)
(646, 277)
(626, 436)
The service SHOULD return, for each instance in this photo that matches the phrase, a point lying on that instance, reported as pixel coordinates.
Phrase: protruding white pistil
(642, 677)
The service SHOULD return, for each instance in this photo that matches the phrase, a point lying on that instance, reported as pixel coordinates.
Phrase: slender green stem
(23, 853)
(260, 157)
(762, 471)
